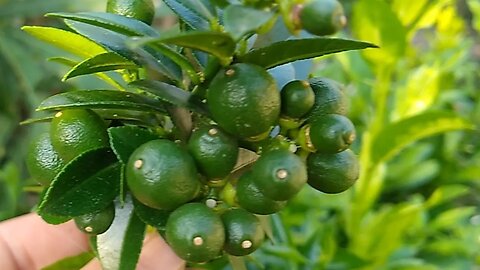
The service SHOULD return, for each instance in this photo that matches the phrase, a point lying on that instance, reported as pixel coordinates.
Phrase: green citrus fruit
(76, 131)
(214, 151)
(332, 133)
(142, 10)
(96, 223)
(297, 98)
(322, 17)
(332, 173)
(195, 232)
(244, 100)
(243, 231)
(279, 174)
(43, 161)
(328, 98)
(250, 198)
(161, 175)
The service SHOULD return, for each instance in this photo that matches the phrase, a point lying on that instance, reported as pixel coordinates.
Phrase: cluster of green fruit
(299, 135)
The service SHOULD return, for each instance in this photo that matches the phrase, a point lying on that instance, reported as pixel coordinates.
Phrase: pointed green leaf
(65, 40)
(394, 137)
(171, 94)
(101, 99)
(218, 44)
(117, 43)
(240, 20)
(124, 140)
(153, 217)
(72, 262)
(188, 14)
(87, 184)
(50, 219)
(100, 63)
(117, 23)
(287, 51)
(119, 247)
(70, 63)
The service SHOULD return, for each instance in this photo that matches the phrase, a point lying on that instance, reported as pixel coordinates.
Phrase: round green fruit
(243, 99)
(297, 99)
(195, 232)
(322, 17)
(279, 174)
(243, 231)
(332, 133)
(43, 161)
(142, 10)
(214, 152)
(329, 98)
(332, 173)
(161, 175)
(96, 223)
(76, 131)
(250, 198)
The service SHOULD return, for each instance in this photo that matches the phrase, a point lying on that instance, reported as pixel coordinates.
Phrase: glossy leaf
(298, 49)
(240, 20)
(124, 140)
(87, 184)
(65, 40)
(70, 63)
(188, 14)
(72, 262)
(101, 99)
(394, 137)
(153, 217)
(117, 23)
(117, 43)
(171, 94)
(100, 63)
(218, 44)
(119, 247)
(49, 218)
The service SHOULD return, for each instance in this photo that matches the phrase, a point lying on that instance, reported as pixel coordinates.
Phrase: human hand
(28, 243)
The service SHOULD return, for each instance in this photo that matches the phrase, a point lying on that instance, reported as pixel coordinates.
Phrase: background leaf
(283, 52)
(92, 177)
(100, 63)
(240, 20)
(119, 247)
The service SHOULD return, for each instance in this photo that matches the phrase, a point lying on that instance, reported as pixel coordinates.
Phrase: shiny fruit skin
(195, 233)
(142, 10)
(76, 131)
(244, 100)
(214, 151)
(297, 99)
(43, 161)
(243, 231)
(332, 133)
(96, 223)
(161, 175)
(332, 173)
(322, 17)
(329, 98)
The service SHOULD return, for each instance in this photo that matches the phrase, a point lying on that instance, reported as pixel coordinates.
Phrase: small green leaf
(100, 63)
(70, 63)
(171, 94)
(188, 14)
(124, 140)
(51, 219)
(65, 40)
(101, 99)
(116, 42)
(446, 193)
(71, 263)
(119, 247)
(218, 44)
(87, 184)
(117, 23)
(36, 120)
(240, 20)
(153, 217)
(394, 137)
(287, 51)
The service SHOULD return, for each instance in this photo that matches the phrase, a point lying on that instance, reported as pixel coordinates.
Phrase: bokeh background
(417, 204)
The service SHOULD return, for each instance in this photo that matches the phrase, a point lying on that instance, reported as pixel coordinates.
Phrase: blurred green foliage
(416, 204)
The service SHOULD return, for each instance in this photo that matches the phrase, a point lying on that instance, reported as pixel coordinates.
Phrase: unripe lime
(96, 223)
(243, 231)
(332, 133)
(142, 10)
(297, 98)
(322, 17)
